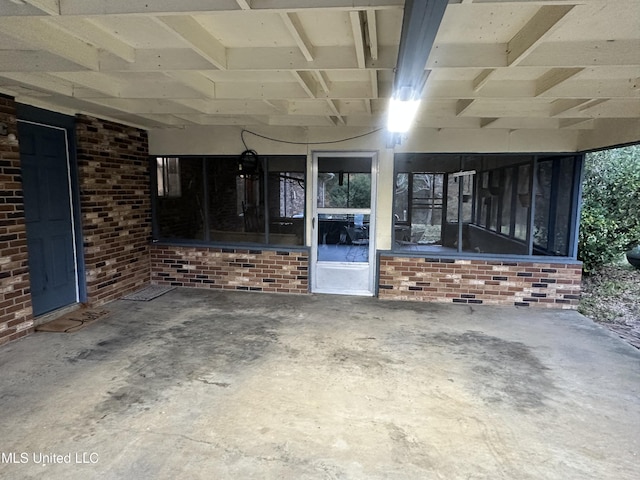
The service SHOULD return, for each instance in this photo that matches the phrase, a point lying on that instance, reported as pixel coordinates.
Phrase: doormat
(148, 293)
(72, 322)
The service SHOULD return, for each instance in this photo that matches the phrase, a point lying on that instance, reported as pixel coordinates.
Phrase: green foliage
(355, 191)
(610, 220)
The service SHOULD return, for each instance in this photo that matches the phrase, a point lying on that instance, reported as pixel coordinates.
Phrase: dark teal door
(47, 204)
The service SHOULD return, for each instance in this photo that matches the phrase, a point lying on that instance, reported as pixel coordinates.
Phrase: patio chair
(358, 243)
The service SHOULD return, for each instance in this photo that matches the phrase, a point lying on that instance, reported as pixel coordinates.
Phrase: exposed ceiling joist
(323, 81)
(93, 32)
(306, 82)
(463, 105)
(375, 89)
(564, 105)
(198, 37)
(171, 7)
(485, 122)
(545, 21)
(44, 36)
(482, 78)
(334, 109)
(358, 36)
(294, 27)
(50, 7)
(372, 34)
(95, 81)
(592, 103)
(583, 123)
(553, 78)
(196, 81)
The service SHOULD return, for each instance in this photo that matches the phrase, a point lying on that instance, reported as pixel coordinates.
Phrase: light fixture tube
(401, 114)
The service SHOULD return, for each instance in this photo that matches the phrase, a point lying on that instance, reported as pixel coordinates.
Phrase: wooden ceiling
(495, 64)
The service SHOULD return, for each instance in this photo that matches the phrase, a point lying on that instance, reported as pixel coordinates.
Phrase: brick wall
(16, 316)
(116, 207)
(280, 271)
(536, 284)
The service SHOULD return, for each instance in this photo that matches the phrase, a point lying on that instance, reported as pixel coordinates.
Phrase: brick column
(16, 315)
(115, 202)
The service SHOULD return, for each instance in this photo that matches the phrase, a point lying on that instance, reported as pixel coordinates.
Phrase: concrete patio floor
(226, 385)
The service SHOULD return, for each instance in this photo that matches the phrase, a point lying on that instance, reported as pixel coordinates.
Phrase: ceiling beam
(323, 81)
(45, 36)
(334, 109)
(592, 103)
(244, 4)
(306, 82)
(482, 78)
(420, 23)
(372, 34)
(172, 7)
(42, 81)
(96, 81)
(553, 78)
(545, 21)
(564, 105)
(50, 7)
(584, 123)
(463, 105)
(483, 56)
(196, 81)
(367, 106)
(485, 122)
(93, 32)
(375, 88)
(358, 37)
(292, 22)
(198, 37)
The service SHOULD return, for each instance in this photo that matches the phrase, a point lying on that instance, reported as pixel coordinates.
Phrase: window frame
(486, 176)
(264, 205)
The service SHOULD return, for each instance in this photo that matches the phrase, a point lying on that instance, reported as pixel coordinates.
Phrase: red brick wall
(116, 207)
(280, 271)
(536, 284)
(16, 316)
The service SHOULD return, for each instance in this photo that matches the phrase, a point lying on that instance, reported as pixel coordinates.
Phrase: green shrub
(610, 219)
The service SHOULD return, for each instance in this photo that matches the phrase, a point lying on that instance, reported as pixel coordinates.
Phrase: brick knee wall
(16, 315)
(536, 284)
(281, 271)
(115, 201)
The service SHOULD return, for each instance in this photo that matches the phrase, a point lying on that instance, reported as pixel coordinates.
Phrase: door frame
(58, 121)
(372, 257)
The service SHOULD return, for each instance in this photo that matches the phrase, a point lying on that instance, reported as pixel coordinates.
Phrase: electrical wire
(303, 143)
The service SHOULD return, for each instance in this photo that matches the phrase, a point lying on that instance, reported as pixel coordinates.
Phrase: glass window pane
(426, 208)
(543, 204)
(523, 202)
(401, 199)
(286, 201)
(507, 195)
(180, 205)
(343, 238)
(494, 191)
(563, 207)
(344, 190)
(236, 206)
(467, 198)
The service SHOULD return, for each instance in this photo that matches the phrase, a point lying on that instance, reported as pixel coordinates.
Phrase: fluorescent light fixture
(401, 114)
